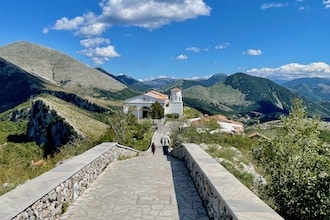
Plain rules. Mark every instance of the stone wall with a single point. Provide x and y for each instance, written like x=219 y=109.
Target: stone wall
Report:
x=223 y=195
x=48 y=195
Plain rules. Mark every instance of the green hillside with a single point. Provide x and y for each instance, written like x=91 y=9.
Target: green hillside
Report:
x=244 y=94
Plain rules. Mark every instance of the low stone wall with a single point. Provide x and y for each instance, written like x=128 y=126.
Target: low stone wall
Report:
x=48 y=195
x=223 y=195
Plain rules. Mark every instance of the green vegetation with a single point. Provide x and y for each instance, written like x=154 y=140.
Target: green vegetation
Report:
x=17 y=153
x=297 y=167
x=118 y=95
x=219 y=98
x=295 y=161
x=189 y=112
x=231 y=150
x=65 y=206
x=157 y=111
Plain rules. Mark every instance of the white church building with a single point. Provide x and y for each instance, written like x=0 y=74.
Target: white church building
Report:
x=140 y=105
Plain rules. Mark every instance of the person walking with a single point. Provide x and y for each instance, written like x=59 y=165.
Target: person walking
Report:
x=165 y=141
x=153 y=148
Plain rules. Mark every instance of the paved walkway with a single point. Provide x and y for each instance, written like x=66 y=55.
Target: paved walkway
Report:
x=146 y=187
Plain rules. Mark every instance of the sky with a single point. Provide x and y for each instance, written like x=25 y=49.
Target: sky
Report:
x=147 y=39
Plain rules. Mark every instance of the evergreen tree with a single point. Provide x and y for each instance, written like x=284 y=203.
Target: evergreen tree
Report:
x=157 y=111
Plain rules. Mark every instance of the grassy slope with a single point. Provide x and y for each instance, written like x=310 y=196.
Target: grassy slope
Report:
x=220 y=97
x=81 y=120
x=16 y=157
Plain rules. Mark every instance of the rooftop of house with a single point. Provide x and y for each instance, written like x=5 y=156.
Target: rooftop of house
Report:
x=156 y=95
x=226 y=123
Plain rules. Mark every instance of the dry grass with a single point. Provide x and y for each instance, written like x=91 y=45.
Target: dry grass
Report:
x=81 y=120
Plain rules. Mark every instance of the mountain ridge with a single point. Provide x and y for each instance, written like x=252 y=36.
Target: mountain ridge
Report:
x=314 y=88
x=57 y=68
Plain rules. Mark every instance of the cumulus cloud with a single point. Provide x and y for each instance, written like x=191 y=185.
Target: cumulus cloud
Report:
x=66 y=24
x=222 y=46
x=149 y=14
x=181 y=57
x=253 y=52
x=92 y=42
x=326 y=3
x=193 y=49
x=98 y=49
x=293 y=71
x=273 y=5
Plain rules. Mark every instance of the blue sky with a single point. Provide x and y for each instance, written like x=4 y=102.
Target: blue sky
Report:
x=179 y=38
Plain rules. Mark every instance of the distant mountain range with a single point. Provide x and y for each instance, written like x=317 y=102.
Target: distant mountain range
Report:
x=316 y=89
x=27 y=70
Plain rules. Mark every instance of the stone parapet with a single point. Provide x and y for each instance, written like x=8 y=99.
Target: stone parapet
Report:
x=223 y=195
x=48 y=195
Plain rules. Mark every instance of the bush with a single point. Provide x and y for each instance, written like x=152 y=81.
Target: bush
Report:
x=297 y=168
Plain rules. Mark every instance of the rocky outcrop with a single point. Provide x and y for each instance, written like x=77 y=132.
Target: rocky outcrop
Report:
x=19 y=115
x=48 y=129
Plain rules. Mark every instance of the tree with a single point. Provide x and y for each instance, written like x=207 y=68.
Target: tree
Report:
x=157 y=111
x=119 y=124
x=297 y=168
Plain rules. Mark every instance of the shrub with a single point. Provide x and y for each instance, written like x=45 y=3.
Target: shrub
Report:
x=297 y=167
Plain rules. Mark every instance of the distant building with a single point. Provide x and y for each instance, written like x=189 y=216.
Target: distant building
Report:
x=175 y=105
x=140 y=105
x=226 y=125
x=258 y=135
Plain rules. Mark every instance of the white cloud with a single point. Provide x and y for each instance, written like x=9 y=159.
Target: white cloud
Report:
x=253 y=52
x=193 y=49
x=326 y=3
x=100 y=55
x=273 y=5
x=293 y=70
x=93 y=42
x=222 y=46
x=68 y=25
x=45 y=30
x=108 y=51
x=150 y=14
x=181 y=57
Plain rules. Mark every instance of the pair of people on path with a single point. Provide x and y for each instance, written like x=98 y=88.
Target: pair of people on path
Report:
x=165 y=141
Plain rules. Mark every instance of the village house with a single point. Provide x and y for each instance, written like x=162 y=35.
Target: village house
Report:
x=226 y=125
x=140 y=105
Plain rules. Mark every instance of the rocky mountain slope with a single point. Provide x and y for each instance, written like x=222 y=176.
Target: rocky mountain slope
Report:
x=16 y=85
x=57 y=68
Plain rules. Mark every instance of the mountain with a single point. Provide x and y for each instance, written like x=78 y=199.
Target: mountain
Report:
x=58 y=69
x=16 y=85
x=244 y=94
x=57 y=112
x=266 y=95
x=159 y=82
x=214 y=79
x=128 y=81
x=316 y=89
x=186 y=83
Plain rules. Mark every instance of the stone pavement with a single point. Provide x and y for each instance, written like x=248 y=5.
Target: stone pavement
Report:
x=145 y=187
